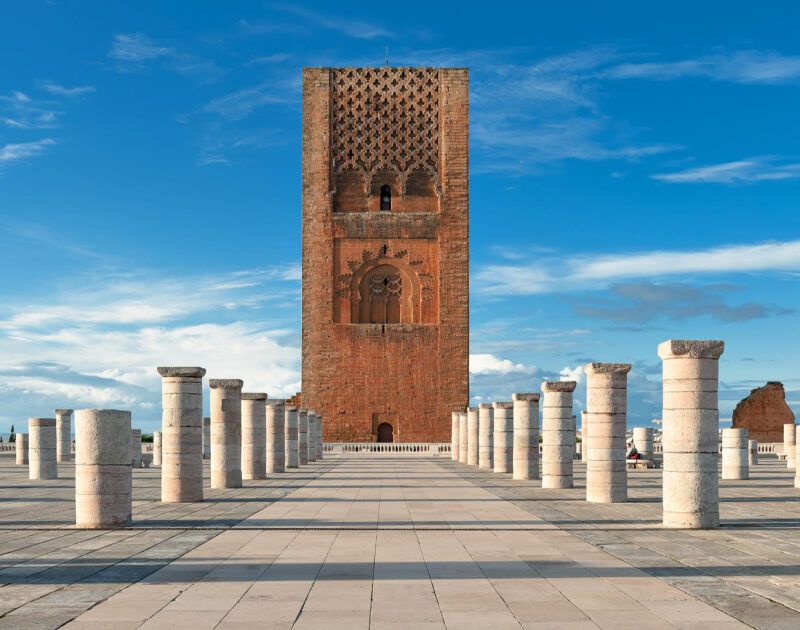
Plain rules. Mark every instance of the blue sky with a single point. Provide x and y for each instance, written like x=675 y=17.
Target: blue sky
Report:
x=634 y=177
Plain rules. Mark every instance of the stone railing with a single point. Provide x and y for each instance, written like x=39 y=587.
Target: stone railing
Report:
x=403 y=448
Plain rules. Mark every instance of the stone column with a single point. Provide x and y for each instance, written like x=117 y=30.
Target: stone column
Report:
x=276 y=436
x=789 y=443
x=462 y=437
x=734 y=454
x=102 y=468
x=607 y=406
x=689 y=433
x=312 y=435
x=752 y=452
x=206 y=438
x=291 y=437
x=181 y=434
x=320 y=443
x=156 y=448
x=226 y=432
x=42 y=449
x=557 y=446
x=503 y=437
x=454 y=435
x=302 y=436
x=472 y=436
x=21 y=448
x=254 y=435
x=574 y=436
x=486 y=436
x=643 y=441
x=526 y=436
x=584 y=437
x=64 y=435
x=136 y=448
x=797 y=468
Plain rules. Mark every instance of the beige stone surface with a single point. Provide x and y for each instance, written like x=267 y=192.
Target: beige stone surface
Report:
x=472 y=436
x=789 y=443
x=735 y=461
x=485 y=436
x=157 y=451
x=526 y=435
x=503 y=437
x=226 y=433
x=254 y=435
x=291 y=444
x=63 y=435
x=136 y=448
x=182 y=434
x=302 y=437
x=462 y=437
x=276 y=436
x=42 y=463
x=454 y=435
x=21 y=449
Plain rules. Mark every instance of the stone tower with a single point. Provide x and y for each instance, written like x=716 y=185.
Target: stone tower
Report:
x=385 y=251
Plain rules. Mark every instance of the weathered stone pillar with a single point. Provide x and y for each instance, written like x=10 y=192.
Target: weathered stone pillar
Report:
x=643 y=441
x=526 y=436
x=292 y=459
x=102 y=468
x=689 y=438
x=472 y=436
x=312 y=435
x=734 y=454
x=226 y=432
x=574 y=436
x=485 y=436
x=302 y=436
x=503 y=437
x=752 y=452
x=64 y=435
x=454 y=435
x=320 y=443
x=136 y=448
x=462 y=437
x=42 y=450
x=797 y=468
x=206 y=438
x=254 y=435
x=607 y=407
x=21 y=448
x=276 y=435
x=789 y=443
x=557 y=438
x=584 y=437
x=156 y=448
x=181 y=434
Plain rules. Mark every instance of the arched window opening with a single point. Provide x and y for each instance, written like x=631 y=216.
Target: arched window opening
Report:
x=384 y=297
x=385 y=433
x=386 y=198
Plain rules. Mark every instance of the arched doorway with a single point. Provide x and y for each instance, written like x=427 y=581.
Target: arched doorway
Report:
x=385 y=432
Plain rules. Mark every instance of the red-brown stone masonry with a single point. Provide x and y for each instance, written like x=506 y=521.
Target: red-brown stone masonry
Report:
x=411 y=375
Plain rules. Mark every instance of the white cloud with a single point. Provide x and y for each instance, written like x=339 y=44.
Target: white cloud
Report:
x=60 y=90
x=23 y=150
x=754 y=169
x=491 y=364
x=555 y=275
x=20 y=111
x=137 y=52
x=137 y=47
x=241 y=103
x=349 y=26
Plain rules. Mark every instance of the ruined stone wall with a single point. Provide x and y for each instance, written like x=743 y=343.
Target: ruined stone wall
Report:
x=763 y=413
x=364 y=129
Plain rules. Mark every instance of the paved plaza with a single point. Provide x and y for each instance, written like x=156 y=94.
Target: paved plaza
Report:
x=389 y=541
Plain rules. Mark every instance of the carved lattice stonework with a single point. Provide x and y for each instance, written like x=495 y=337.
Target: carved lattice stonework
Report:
x=385 y=118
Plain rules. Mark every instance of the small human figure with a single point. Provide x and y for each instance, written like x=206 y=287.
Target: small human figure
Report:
x=632 y=452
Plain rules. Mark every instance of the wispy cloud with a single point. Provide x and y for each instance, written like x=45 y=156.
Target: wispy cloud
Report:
x=491 y=364
x=20 y=111
x=137 y=52
x=348 y=26
x=269 y=59
x=136 y=48
x=21 y=151
x=240 y=104
x=60 y=90
x=562 y=274
x=755 y=169
x=743 y=66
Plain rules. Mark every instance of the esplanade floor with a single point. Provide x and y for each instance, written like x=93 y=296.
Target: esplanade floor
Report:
x=370 y=541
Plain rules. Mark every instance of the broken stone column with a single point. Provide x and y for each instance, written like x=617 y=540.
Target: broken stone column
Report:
x=102 y=468
x=734 y=454
x=226 y=432
x=276 y=435
x=485 y=436
x=156 y=448
x=290 y=427
x=472 y=436
x=557 y=437
x=206 y=438
x=136 y=448
x=575 y=450
x=643 y=441
x=42 y=462
x=312 y=435
x=526 y=436
x=689 y=433
x=454 y=435
x=254 y=435
x=462 y=437
x=302 y=436
x=64 y=435
x=584 y=437
x=21 y=448
x=752 y=452
x=789 y=443
x=181 y=434
x=607 y=407
x=797 y=468
x=503 y=437
x=320 y=442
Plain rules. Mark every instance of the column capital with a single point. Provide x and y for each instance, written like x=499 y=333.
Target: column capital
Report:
x=276 y=402
x=189 y=372
x=503 y=405
x=485 y=406
x=607 y=368
x=63 y=412
x=559 y=386
x=254 y=396
x=531 y=397
x=225 y=383
x=691 y=349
